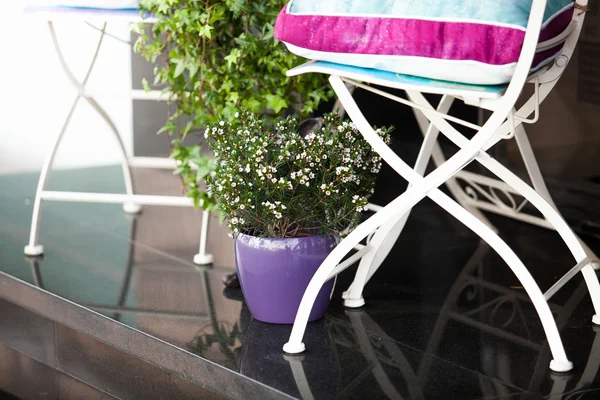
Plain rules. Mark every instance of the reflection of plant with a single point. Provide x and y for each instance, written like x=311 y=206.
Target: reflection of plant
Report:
x=273 y=182
x=216 y=56
x=224 y=339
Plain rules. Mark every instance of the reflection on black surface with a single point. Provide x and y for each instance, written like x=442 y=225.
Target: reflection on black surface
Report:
x=446 y=323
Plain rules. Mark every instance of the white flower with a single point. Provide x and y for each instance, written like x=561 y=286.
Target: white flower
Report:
x=233 y=184
x=242 y=207
x=234 y=221
x=221 y=123
x=328 y=193
x=274 y=180
x=237 y=114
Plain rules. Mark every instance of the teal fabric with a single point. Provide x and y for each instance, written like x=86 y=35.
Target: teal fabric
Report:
x=504 y=12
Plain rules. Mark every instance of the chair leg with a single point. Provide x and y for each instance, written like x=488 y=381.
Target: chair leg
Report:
x=538 y=182
x=438 y=158
x=34 y=248
x=557 y=221
x=424 y=186
x=538 y=201
x=204 y=258
x=386 y=236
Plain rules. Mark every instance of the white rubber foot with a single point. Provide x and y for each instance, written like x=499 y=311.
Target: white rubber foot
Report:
x=291 y=348
x=596 y=319
x=36 y=250
x=561 y=366
x=354 y=303
x=132 y=208
x=203 y=259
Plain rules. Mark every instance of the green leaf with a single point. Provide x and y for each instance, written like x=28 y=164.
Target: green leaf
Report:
x=275 y=102
x=146 y=86
x=179 y=68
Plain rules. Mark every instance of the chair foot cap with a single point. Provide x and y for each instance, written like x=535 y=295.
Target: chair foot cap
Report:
x=34 y=250
x=203 y=259
x=294 y=348
x=596 y=319
x=354 y=303
x=561 y=366
x=132 y=208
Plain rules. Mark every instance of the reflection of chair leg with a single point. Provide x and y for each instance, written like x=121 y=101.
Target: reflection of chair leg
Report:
x=300 y=377
x=460 y=284
x=124 y=290
x=34 y=262
x=362 y=322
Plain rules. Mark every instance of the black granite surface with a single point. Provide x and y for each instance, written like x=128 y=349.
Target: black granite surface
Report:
x=110 y=311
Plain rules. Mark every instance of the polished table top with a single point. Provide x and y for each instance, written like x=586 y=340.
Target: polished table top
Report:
x=446 y=322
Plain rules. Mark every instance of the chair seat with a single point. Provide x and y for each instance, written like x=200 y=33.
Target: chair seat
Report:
x=404 y=82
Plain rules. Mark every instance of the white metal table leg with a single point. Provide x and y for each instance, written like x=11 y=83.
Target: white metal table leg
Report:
x=131 y=208
x=34 y=248
x=203 y=258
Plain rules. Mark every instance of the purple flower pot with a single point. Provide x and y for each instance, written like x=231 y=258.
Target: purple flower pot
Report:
x=274 y=274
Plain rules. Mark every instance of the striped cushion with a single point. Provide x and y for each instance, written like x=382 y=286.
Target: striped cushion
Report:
x=475 y=42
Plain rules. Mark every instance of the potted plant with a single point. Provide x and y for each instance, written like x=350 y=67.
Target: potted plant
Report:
x=287 y=199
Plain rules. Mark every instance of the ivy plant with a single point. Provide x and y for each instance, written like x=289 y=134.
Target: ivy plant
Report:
x=213 y=57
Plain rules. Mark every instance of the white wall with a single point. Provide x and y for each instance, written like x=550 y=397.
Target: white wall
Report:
x=36 y=95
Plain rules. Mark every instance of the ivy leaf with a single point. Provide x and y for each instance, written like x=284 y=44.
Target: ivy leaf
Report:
x=179 y=68
x=146 y=86
x=275 y=102
x=232 y=58
x=233 y=97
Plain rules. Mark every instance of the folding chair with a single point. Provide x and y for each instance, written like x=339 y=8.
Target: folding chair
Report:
x=505 y=122
x=132 y=202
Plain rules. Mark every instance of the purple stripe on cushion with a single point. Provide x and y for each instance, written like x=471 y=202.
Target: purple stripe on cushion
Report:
x=553 y=29
x=433 y=39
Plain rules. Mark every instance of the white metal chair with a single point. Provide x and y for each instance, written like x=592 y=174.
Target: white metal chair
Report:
x=132 y=203
x=505 y=122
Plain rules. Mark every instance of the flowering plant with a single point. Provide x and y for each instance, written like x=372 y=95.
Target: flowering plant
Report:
x=270 y=181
